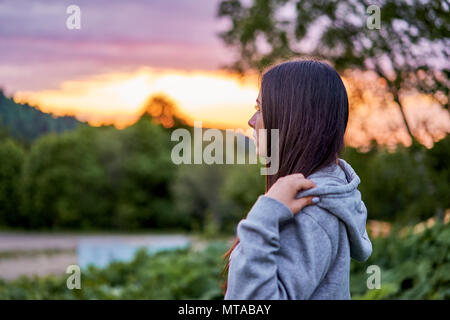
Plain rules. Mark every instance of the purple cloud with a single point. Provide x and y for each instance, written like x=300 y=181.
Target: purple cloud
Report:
x=114 y=35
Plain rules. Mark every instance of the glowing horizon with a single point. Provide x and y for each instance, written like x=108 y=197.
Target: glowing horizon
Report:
x=213 y=97
x=105 y=72
x=216 y=98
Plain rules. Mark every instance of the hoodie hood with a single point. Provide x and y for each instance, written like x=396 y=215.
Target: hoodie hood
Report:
x=337 y=188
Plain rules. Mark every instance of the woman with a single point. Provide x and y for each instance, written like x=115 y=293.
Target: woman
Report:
x=298 y=238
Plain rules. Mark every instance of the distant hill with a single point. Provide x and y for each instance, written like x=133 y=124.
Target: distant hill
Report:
x=27 y=123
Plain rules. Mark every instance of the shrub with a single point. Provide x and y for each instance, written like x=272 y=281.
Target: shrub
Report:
x=412 y=267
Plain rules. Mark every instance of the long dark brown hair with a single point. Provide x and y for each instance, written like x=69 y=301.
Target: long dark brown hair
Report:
x=307 y=101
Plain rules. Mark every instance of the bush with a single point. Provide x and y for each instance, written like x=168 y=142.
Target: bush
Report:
x=104 y=178
x=64 y=184
x=412 y=267
x=12 y=157
x=179 y=274
x=215 y=196
x=94 y=178
x=407 y=185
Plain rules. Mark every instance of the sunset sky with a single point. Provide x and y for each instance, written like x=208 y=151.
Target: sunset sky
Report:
x=124 y=52
x=127 y=51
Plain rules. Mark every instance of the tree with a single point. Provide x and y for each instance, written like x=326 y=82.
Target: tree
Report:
x=145 y=170
x=11 y=160
x=26 y=123
x=64 y=184
x=410 y=50
x=163 y=111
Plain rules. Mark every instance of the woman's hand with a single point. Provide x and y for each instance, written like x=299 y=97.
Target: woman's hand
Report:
x=286 y=188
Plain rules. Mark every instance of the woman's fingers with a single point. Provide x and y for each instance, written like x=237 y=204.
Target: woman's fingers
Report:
x=299 y=204
x=297 y=175
x=302 y=184
x=297 y=180
x=286 y=188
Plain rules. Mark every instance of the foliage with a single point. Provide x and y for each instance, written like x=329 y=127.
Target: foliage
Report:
x=402 y=52
x=62 y=181
x=438 y=165
x=266 y=31
x=26 y=123
x=407 y=185
x=104 y=178
x=196 y=191
x=12 y=158
x=179 y=274
x=217 y=194
x=412 y=267
x=242 y=186
x=99 y=178
x=164 y=111
x=146 y=170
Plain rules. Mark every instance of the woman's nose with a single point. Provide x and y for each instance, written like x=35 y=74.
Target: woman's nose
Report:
x=252 y=121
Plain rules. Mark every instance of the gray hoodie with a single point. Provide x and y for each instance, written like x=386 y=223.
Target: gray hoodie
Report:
x=307 y=255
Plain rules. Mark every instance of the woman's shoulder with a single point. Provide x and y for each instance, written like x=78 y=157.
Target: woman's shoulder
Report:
x=315 y=215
